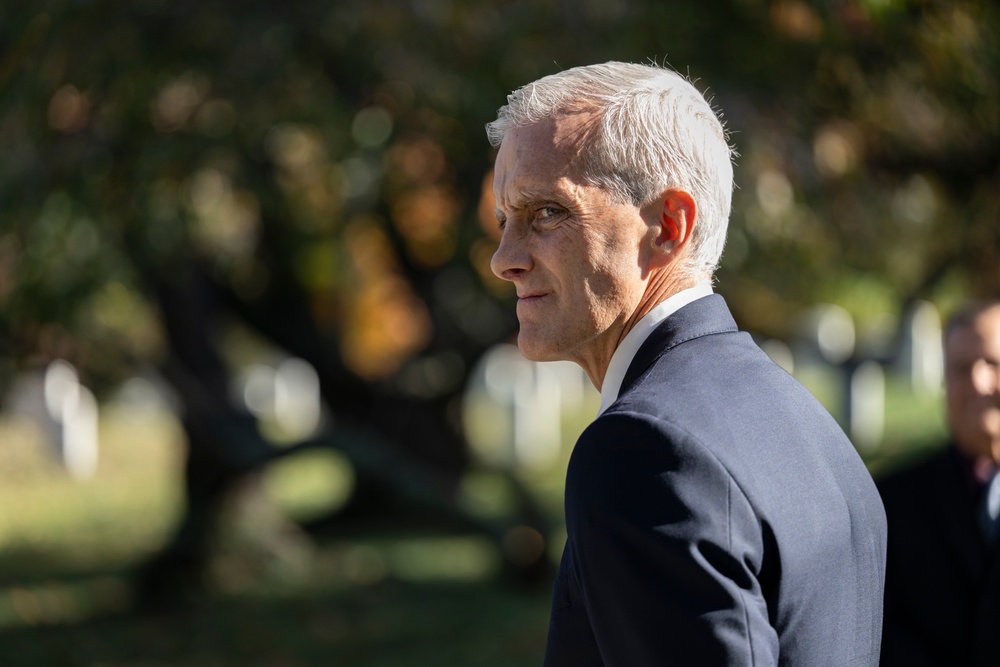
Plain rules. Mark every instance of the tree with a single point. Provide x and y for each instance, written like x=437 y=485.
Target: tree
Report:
x=317 y=173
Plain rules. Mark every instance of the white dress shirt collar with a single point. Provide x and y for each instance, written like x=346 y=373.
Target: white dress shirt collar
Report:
x=634 y=339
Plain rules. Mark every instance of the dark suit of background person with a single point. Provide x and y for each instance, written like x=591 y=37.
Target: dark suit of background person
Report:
x=716 y=514
x=942 y=598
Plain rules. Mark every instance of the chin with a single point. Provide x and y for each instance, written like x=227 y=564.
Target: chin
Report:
x=975 y=441
x=534 y=351
x=532 y=354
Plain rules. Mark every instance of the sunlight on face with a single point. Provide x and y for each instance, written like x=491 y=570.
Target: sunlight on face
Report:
x=571 y=250
x=973 y=382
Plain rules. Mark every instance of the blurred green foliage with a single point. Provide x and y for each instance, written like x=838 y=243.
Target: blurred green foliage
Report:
x=340 y=146
x=331 y=155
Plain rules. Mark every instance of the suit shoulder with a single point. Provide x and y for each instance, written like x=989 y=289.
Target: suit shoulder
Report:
x=625 y=448
x=637 y=435
x=619 y=436
x=636 y=470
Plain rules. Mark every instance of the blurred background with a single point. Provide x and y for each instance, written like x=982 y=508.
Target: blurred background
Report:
x=258 y=400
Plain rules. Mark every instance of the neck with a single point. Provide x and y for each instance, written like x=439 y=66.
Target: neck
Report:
x=662 y=285
x=658 y=289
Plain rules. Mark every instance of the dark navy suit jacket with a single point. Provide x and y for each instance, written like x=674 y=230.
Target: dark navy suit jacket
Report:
x=942 y=590
x=716 y=515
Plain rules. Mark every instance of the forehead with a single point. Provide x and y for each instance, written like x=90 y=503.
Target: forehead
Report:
x=980 y=337
x=541 y=153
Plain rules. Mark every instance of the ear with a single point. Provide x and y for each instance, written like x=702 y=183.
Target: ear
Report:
x=674 y=213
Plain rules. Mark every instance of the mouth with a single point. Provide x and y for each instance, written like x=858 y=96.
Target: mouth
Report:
x=528 y=304
x=531 y=297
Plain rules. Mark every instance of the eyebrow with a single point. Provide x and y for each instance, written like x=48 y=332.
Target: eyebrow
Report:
x=522 y=198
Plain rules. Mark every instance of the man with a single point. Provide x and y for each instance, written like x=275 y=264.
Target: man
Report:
x=716 y=514
x=942 y=597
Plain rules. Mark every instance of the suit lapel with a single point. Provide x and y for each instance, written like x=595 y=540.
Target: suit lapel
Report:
x=708 y=315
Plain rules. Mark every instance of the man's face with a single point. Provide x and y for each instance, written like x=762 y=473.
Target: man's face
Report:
x=571 y=250
x=973 y=383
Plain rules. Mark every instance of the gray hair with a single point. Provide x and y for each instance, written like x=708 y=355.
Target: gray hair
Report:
x=655 y=131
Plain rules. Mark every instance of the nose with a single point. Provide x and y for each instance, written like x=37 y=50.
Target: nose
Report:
x=512 y=258
x=986 y=377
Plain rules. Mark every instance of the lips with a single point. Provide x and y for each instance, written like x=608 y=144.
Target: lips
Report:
x=529 y=293
x=527 y=303
x=530 y=297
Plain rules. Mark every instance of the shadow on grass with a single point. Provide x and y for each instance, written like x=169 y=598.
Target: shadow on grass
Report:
x=390 y=623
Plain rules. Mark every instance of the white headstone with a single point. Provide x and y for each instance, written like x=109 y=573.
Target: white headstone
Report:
x=514 y=407
x=922 y=354
x=867 y=405
x=297 y=404
x=287 y=394
x=830 y=329
x=70 y=419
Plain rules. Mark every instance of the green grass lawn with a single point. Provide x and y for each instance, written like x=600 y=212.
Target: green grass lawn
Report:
x=67 y=550
x=388 y=624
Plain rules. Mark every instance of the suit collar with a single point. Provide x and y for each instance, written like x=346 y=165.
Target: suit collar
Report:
x=708 y=315
x=627 y=349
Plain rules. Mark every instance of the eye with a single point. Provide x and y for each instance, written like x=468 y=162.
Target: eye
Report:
x=547 y=212
x=501 y=221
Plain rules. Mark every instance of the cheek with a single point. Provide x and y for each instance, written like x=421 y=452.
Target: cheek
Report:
x=610 y=289
x=969 y=409
x=609 y=272
x=960 y=401
x=992 y=420
x=984 y=378
x=617 y=261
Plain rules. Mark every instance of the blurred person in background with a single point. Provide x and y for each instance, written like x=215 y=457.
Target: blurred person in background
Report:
x=715 y=512
x=942 y=598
